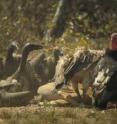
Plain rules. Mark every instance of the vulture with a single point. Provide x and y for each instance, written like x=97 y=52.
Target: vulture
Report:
x=105 y=83
x=79 y=69
x=21 y=86
x=11 y=62
x=44 y=66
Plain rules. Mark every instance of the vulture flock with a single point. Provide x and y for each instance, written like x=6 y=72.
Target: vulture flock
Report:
x=21 y=78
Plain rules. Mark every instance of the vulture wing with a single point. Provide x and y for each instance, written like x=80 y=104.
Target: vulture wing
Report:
x=77 y=63
x=105 y=68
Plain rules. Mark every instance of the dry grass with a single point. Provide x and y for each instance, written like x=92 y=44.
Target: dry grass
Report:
x=48 y=114
x=56 y=115
x=34 y=114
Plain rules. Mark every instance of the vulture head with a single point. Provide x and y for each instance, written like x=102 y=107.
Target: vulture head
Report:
x=114 y=41
x=57 y=53
x=11 y=48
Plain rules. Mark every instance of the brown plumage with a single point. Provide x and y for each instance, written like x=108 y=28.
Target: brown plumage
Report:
x=79 y=70
x=44 y=65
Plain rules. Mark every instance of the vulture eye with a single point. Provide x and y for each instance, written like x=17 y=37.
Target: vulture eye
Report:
x=114 y=38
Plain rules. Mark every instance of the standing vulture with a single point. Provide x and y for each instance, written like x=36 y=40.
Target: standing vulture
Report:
x=11 y=62
x=105 y=83
x=79 y=70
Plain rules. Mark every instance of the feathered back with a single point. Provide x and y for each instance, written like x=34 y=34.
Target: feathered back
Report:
x=80 y=60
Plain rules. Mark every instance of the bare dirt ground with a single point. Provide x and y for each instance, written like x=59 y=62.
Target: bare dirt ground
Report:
x=52 y=113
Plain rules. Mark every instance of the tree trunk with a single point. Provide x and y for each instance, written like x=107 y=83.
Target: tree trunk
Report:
x=59 y=20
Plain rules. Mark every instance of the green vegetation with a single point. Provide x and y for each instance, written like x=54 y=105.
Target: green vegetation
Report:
x=28 y=21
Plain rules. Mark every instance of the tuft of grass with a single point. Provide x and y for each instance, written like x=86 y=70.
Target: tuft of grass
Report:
x=58 y=115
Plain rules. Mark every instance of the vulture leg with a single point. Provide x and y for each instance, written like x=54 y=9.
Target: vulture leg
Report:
x=76 y=88
x=85 y=87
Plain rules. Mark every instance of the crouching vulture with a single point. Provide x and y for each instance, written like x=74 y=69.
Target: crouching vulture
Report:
x=21 y=86
x=105 y=83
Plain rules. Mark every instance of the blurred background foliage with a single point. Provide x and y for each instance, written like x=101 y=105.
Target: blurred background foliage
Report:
x=28 y=20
